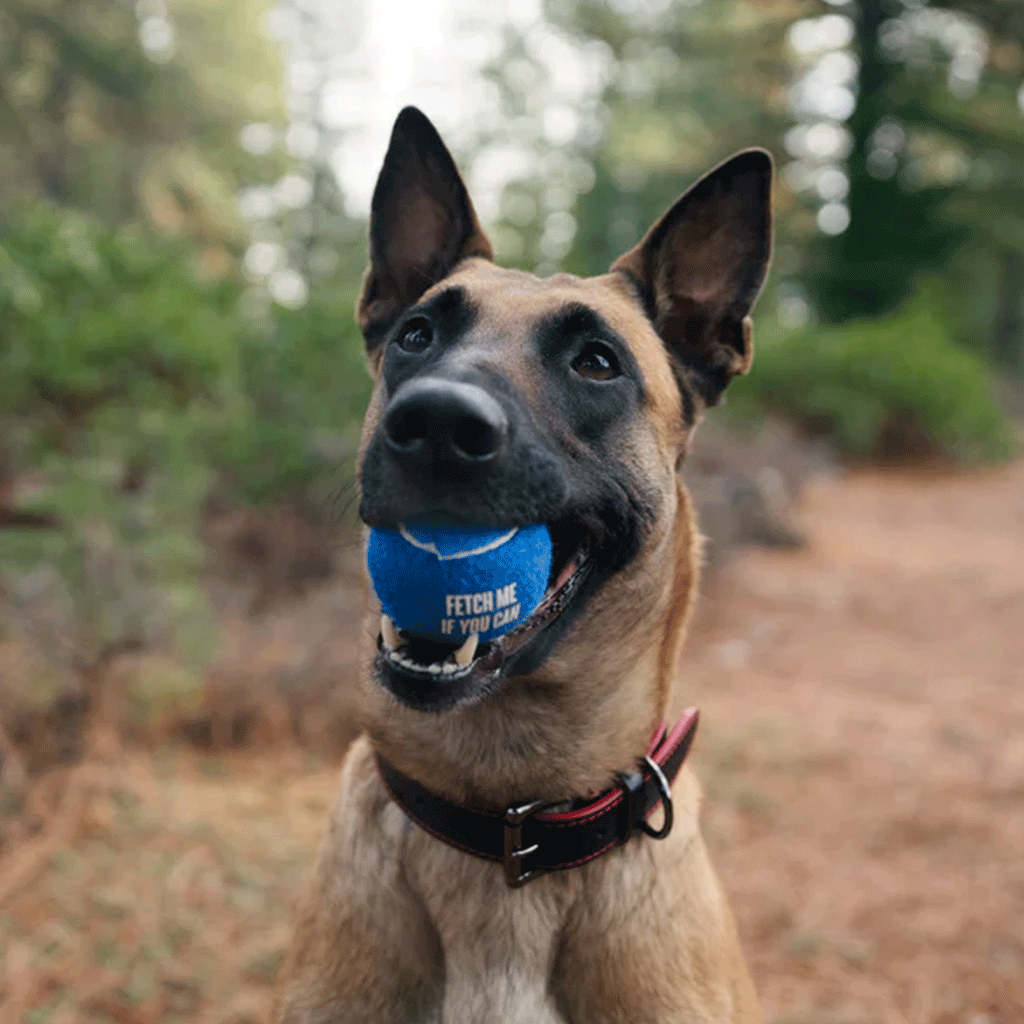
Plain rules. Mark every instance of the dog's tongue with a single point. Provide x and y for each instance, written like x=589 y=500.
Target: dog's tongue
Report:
x=563 y=577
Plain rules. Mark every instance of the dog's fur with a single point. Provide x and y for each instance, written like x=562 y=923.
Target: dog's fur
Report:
x=400 y=927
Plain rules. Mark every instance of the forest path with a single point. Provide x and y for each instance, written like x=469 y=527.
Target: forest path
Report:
x=863 y=751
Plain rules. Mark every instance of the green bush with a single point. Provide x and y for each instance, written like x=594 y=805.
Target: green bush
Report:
x=117 y=363
x=90 y=315
x=130 y=382
x=94 y=317
x=305 y=387
x=866 y=384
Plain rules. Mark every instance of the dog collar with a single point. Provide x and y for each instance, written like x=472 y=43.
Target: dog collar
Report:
x=531 y=839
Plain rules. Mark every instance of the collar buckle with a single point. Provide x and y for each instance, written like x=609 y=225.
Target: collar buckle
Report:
x=515 y=816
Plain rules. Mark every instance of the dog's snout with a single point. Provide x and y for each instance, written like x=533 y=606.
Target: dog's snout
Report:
x=443 y=421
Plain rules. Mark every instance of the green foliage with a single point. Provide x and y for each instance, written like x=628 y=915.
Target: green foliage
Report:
x=124 y=559
x=859 y=382
x=934 y=169
x=928 y=162
x=305 y=387
x=137 y=371
x=99 y=112
x=114 y=360
x=91 y=315
x=685 y=89
x=95 y=318
x=313 y=357
x=895 y=231
x=130 y=383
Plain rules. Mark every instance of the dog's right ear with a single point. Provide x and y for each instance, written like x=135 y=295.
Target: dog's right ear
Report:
x=422 y=223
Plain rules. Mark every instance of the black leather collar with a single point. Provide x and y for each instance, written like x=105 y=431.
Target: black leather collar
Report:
x=529 y=838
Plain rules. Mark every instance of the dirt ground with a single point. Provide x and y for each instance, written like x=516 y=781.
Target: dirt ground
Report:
x=862 y=748
x=865 y=764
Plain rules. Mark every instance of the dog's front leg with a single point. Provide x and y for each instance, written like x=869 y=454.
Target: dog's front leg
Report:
x=364 y=950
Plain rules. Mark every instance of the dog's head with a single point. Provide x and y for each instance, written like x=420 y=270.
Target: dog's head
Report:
x=503 y=399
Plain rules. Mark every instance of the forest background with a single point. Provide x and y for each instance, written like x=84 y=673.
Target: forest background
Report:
x=183 y=192
x=179 y=262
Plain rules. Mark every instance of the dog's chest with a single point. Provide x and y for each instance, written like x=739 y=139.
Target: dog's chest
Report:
x=499 y=944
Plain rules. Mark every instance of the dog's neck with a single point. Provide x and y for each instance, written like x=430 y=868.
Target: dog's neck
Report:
x=540 y=741
x=566 y=730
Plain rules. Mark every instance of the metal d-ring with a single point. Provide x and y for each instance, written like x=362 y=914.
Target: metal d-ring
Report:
x=666 y=802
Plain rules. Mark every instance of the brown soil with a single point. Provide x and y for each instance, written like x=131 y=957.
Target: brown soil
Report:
x=862 y=749
x=864 y=752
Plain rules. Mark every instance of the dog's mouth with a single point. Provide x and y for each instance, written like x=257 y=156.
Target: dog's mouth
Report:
x=434 y=676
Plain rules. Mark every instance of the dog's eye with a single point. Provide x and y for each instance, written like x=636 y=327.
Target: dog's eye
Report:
x=596 y=362
x=416 y=336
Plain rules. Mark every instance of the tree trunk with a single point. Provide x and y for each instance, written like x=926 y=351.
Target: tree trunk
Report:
x=1008 y=329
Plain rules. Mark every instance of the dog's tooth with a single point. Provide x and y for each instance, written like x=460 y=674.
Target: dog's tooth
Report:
x=389 y=632
x=464 y=655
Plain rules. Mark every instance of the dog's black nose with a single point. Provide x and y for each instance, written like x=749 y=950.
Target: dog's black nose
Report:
x=436 y=421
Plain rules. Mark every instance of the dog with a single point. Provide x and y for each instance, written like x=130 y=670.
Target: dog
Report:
x=500 y=400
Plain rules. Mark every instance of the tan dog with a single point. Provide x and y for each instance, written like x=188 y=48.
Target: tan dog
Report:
x=501 y=400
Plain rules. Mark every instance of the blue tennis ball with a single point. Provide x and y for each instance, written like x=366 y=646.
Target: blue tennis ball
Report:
x=443 y=583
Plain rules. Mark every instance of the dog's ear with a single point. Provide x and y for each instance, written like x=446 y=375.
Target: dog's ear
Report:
x=700 y=268
x=422 y=223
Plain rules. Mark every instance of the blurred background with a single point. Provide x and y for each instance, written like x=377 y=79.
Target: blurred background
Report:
x=183 y=195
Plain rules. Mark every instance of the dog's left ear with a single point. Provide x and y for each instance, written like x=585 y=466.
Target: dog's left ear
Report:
x=422 y=223
x=701 y=267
